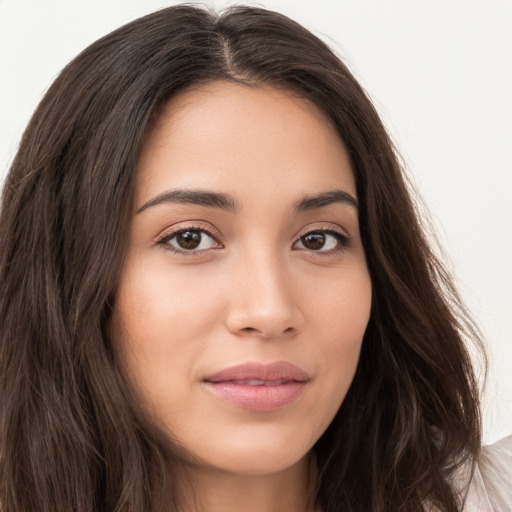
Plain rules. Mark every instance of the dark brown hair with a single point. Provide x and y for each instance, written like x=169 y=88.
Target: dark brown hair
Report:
x=70 y=436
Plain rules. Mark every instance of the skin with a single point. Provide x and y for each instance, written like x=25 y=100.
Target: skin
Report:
x=257 y=290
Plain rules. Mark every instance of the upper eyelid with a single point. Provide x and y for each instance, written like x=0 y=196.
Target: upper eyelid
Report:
x=192 y=226
x=325 y=227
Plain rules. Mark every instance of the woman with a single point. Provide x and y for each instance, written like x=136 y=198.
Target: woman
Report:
x=216 y=293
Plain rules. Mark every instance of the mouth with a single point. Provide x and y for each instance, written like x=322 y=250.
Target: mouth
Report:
x=257 y=382
x=258 y=387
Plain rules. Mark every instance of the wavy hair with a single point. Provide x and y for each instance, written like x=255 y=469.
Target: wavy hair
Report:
x=71 y=438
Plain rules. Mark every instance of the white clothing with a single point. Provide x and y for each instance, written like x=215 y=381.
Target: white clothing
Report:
x=490 y=489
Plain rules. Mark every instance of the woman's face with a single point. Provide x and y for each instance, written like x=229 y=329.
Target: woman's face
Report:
x=245 y=294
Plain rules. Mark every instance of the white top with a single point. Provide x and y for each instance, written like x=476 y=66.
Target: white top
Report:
x=490 y=489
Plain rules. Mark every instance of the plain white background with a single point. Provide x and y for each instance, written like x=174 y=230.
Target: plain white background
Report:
x=440 y=73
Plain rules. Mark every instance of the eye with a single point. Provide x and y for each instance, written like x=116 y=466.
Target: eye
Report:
x=322 y=241
x=189 y=240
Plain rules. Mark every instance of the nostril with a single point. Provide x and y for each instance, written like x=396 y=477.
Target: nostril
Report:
x=267 y=333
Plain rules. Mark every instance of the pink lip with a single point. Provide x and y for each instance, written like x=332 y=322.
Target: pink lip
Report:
x=258 y=387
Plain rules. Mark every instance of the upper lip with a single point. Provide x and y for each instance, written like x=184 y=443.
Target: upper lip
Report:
x=260 y=371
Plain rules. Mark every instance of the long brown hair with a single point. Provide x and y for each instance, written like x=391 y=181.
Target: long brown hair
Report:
x=71 y=438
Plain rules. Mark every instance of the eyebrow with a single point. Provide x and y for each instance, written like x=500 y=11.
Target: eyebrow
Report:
x=325 y=199
x=227 y=202
x=199 y=197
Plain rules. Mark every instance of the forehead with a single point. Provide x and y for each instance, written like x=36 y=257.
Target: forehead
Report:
x=227 y=135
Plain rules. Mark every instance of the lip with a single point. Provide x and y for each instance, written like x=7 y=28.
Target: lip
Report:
x=258 y=387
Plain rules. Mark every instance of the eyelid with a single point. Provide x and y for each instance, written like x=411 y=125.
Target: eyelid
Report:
x=172 y=231
x=334 y=229
x=322 y=226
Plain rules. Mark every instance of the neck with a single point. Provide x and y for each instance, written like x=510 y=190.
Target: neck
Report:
x=210 y=490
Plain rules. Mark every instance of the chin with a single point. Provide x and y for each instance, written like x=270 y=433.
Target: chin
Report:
x=250 y=457
x=261 y=463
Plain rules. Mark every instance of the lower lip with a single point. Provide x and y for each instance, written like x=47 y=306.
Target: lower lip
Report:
x=257 y=398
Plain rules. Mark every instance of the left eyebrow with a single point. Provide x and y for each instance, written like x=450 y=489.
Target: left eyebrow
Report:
x=325 y=199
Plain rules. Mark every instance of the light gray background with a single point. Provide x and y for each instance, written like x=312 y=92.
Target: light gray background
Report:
x=440 y=72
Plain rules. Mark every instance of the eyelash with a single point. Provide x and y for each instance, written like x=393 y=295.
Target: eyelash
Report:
x=342 y=239
x=168 y=236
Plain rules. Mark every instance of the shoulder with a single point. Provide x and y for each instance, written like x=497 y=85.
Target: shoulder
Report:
x=495 y=467
x=487 y=487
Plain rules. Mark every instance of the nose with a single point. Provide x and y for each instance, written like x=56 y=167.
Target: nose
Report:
x=264 y=300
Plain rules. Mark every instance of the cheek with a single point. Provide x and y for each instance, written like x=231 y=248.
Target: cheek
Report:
x=342 y=313
x=160 y=320
x=160 y=304
x=340 y=307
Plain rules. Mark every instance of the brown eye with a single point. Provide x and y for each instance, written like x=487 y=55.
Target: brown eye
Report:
x=322 y=241
x=313 y=241
x=190 y=240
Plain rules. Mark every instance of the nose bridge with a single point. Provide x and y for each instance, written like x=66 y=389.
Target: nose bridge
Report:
x=264 y=302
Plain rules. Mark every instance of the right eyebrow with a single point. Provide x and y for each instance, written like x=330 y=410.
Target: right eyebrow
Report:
x=199 y=197
x=325 y=199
